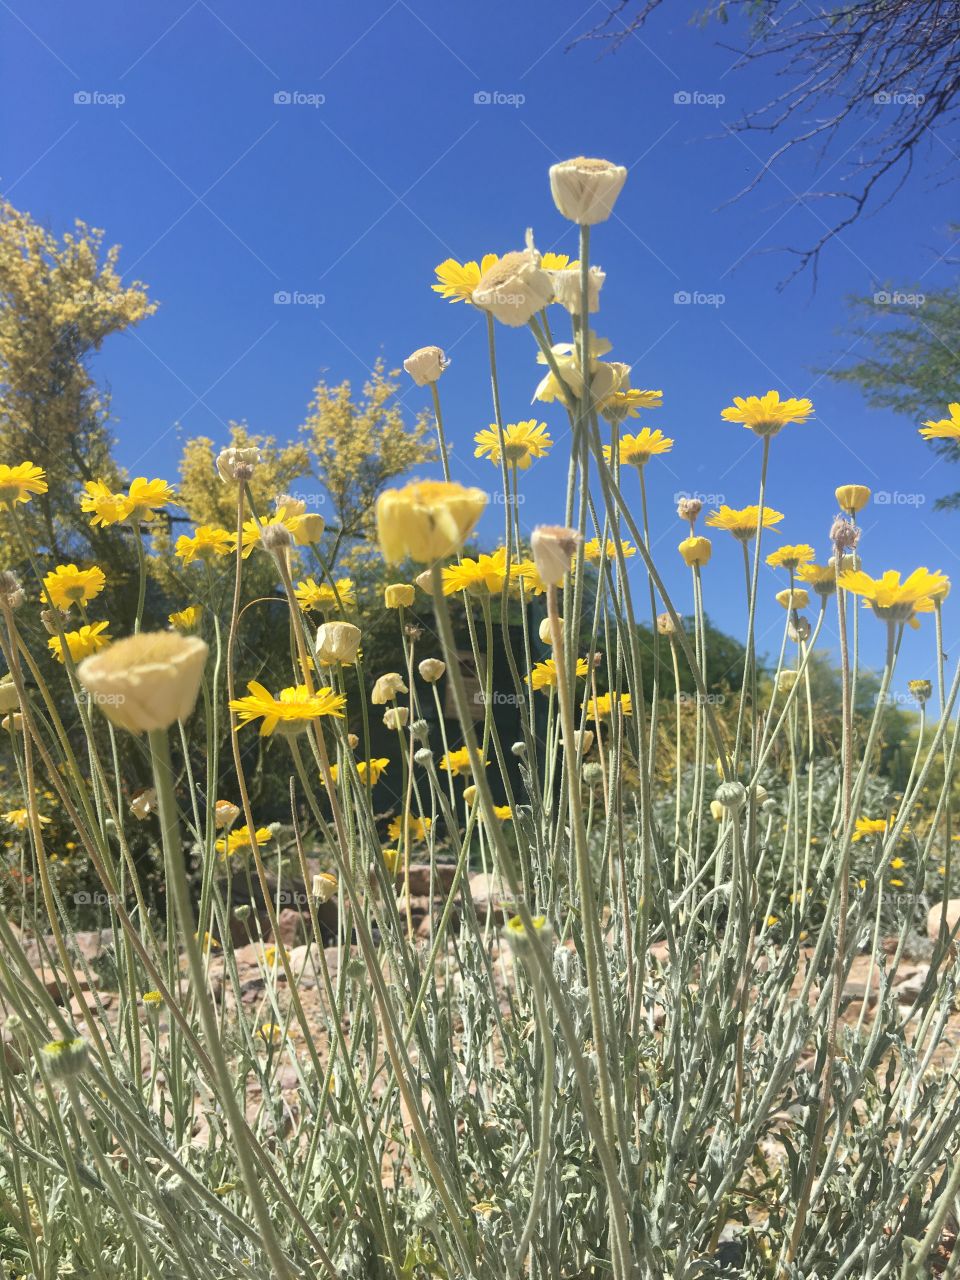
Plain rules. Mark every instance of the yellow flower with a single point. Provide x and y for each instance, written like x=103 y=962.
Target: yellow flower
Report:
x=392 y=861
x=104 y=506
x=566 y=357
x=146 y=495
x=600 y=708
x=399 y=595
x=271 y=1034
x=896 y=864
x=522 y=442
x=206 y=543
x=253 y=530
x=772 y=920
x=790 y=557
x=943 y=428
x=146 y=682
x=377 y=766
x=636 y=451
x=68 y=585
x=457 y=280
x=485 y=574
x=517 y=933
x=696 y=550
x=896 y=884
x=458 y=762
x=626 y=402
x=797 y=598
x=20 y=483
x=89 y=639
x=320 y=596
x=503 y=812
x=187 y=619
x=822 y=577
x=527 y=572
x=295 y=708
x=765 y=415
x=427 y=520
x=893 y=600
x=742 y=523
x=865 y=827
x=20 y=818
x=852 y=498
x=544 y=674
x=592 y=552
x=417 y=827
x=237 y=840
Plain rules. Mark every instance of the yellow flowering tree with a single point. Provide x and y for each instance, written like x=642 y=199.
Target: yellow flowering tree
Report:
x=60 y=299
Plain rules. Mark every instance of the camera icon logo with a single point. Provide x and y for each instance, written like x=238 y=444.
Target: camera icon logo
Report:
x=482 y=98
x=282 y=298
x=283 y=98
x=683 y=98
x=83 y=98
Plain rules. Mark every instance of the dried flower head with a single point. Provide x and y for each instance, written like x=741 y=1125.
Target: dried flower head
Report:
x=147 y=681
x=553 y=547
x=515 y=288
x=585 y=189
x=425 y=365
x=432 y=669
x=237 y=464
x=386 y=688
x=688 y=509
x=338 y=642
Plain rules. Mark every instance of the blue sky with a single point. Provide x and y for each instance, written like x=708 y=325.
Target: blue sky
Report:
x=385 y=163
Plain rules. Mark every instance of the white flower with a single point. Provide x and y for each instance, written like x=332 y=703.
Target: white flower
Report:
x=553 y=547
x=566 y=288
x=237 y=464
x=144 y=803
x=396 y=717
x=386 y=688
x=147 y=681
x=585 y=190
x=431 y=669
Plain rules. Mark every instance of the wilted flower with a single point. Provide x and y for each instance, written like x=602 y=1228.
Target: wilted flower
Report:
x=337 y=642
x=786 y=680
x=11 y=590
x=147 y=681
x=143 y=803
x=566 y=288
x=324 y=886
x=515 y=288
x=425 y=365
x=237 y=464
x=553 y=547
x=396 y=717
x=688 y=509
x=431 y=669
x=844 y=534
x=386 y=688
x=585 y=189
x=225 y=814
x=427 y=520
x=666 y=625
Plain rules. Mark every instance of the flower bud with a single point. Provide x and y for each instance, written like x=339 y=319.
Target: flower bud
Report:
x=425 y=365
x=9 y=698
x=308 y=528
x=696 y=550
x=553 y=548
x=242 y=913
x=470 y=793
x=423 y=756
x=786 y=680
x=398 y=595
x=518 y=749
x=795 y=598
x=732 y=795
x=65 y=1059
x=420 y=730
x=585 y=190
x=592 y=773
x=337 y=642
x=688 y=509
x=920 y=689
x=386 y=688
x=353 y=741
x=716 y=810
x=545 y=631
x=152 y=1002
x=431 y=669
x=666 y=625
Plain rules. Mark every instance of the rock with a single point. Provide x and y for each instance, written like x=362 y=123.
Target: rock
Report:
x=290 y=924
x=935 y=913
x=443 y=873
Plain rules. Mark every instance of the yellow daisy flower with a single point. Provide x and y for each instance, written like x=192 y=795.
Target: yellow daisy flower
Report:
x=206 y=543
x=766 y=415
x=522 y=442
x=822 y=577
x=636 y=451
x=485 y=574
x=865 y=827
x=627 y=402
x=236 y=841
x=320 y=597
x=592 y=552
x=377 y=767
x=943 y=428
x=544 y=674
x=253 y=529
x=20 y=818
x=526 y=571
x=790 y=557
x=68 y=585
x=458 y=762
x=893 y=600
x=295 y=708
x=81 y=643
x=19 y=483
x=601 y=707
x=418 y=828
x=187 y=619
x=145 y=496
x=742 y=522
x=503 y=812
x=104 y=506
x=457 y=280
